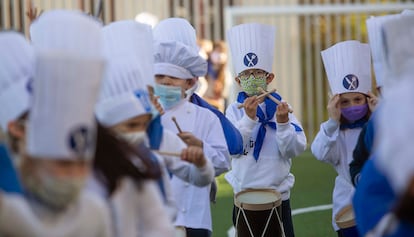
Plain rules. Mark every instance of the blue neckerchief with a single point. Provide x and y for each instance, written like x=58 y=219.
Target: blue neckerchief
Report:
x=233 y=137
x=357 y=124
x=154 y=132
x=160 y=182
x=9 y=179
x=264 y=120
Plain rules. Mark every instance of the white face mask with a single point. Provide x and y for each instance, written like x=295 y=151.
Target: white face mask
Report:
x=55 y=192
x=135 y=138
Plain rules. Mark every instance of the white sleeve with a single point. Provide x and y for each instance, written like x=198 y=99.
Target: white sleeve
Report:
x=140 y=211
x=215 y=145
x=190 y=173
x=291 y=143
x=242 y=122
x=100 y=210
x=152 y=213
x=324 y=147
x=16 y=217
x=182 y=169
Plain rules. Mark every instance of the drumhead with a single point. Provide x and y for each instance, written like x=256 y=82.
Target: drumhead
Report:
x=258 y=199
x=345 y=217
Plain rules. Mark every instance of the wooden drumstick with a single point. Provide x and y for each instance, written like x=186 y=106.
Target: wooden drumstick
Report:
x=258 y=97
x=176 y=124
x=273 y=98
x=167 y=153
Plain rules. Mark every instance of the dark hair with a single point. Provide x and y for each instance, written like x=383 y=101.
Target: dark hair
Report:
x=116 y=159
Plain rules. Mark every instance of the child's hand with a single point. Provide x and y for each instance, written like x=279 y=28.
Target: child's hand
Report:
x=372 y=101
x=333 y=108
x=250 y=106
x=194 y=155
x=31 y=13
x=157 y=105
x=154 y=100
x=190 y=139
x=282 y=113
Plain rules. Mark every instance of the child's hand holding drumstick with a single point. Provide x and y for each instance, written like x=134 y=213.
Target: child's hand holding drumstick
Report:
x=278 y=102
x=259 y=97
x=187 y=137
x=191 y=154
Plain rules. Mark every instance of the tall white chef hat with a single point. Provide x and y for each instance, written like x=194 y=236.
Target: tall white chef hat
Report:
x=67 y=80
x=252 y=46
x=129 y=50
x=176 y=29
x=398 y=36
x=394 y=142
x=374 y=28
x=176 y=50
x=348 y=67
x=16 y=72
x=43 y=32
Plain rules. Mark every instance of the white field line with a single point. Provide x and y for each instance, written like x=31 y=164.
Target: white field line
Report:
x=311 y=209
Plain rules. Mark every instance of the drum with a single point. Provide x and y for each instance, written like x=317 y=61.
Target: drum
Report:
x=258 y=213
x=345 y=220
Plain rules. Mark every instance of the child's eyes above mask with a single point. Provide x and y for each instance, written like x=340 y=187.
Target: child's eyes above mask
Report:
x=256 y=74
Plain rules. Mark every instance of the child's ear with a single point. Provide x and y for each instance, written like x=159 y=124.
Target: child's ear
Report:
x=190 y=82
x=270 y=78
x=15 y=129
x=237 y=80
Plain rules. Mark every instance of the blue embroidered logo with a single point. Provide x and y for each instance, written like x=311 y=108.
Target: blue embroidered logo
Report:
x=350 y=82
x=250 y=60
x=80 y=140
x=143 y=97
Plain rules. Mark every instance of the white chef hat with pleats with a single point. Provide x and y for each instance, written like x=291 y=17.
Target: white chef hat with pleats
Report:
x=374 y=28
x=398 y=39
x=252 y=46
x=394 y=144
x=43 y=32
x=129 y=51
x=65 y=88
x=348 y=67
x=176 y=51
x=176 y=29
x=16 y=71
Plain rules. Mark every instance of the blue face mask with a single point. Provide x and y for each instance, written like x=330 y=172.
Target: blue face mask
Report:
x=169 y=95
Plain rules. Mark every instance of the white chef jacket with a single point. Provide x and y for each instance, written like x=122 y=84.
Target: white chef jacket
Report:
x=194 y=202
x=88 y=216
x=187 y=172
x=272 y=169
x=335 y=146
x=140 y=212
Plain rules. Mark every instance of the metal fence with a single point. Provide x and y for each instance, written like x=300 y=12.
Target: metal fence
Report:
x=304 y=28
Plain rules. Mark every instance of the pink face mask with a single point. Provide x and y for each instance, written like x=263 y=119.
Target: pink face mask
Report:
x=354 y=113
